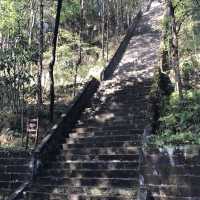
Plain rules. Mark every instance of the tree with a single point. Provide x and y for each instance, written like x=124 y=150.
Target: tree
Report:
x=41 y=49
x=103 y=28
x=174 y=47
x=177 y=13
x=53 y=59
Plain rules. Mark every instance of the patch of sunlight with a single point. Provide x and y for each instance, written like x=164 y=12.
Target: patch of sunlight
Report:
x=95 y=191
x=116 y=161
x=74 y=197
x=125 y=192
x=110 y=90
x=162 y=193
x=104 y=117
x=55 y=127
x=95 y=72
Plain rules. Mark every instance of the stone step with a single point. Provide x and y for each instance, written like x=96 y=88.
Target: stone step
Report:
x=122 y=86
x=105 y=157
x=104 y=174
x=57 y=196
x=103 y=139
x=120 y=105
x=82 y=132
x=39 y=195
x=99 y=197
x=189 y=191
x=105 y=144
x=163 y=197
x=178 y=170
x=123 y=173
x=109 y=110
x=86 y=129
x=14 y=154
x=14 y=168
x=124 y=103
x=134 y=91
x=182 y=180
x=111 y=120
x=102 y=150
x=110 y=123
x=137 y=110
x=53 y=182
x=14 y=176
x=13 y=161
x=95 y=165
x=104 y=191
x=11 y=185
x=176 y=160
x=123 y=98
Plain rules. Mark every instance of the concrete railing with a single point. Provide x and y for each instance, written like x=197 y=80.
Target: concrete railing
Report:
x=111 y=67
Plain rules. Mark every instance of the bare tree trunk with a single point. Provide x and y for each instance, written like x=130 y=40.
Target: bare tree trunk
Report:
x=81 y=30
x=51 y=64
x=103 y=29
x=32 y=20
x=174 y=46
x=80 y=45
x=118 y=28
x=41 y=50
x=122 y=16
x=107 y=34
x=176 y=63
x=75 y=79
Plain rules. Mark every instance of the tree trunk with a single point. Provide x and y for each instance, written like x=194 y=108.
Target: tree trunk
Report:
x=75 y=79
x=32 y=21
x=81 y=30
x=41 y=44
x=103 y=29
x=107 y=34
x=80 y=45
x=51 y=64
x=174 y=46
x=176 y=63
x=117 y=18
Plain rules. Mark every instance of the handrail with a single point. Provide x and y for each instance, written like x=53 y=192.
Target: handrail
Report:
x=109 y=70
x=68 y=120
x=57 y=133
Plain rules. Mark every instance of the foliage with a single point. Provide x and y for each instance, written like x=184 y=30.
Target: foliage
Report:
x=70 y=10
x=12 y=15
x=24 y=57
x=179 y=121
x=67 y=58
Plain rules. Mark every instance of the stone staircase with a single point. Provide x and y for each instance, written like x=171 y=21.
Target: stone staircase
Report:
x=100 y=159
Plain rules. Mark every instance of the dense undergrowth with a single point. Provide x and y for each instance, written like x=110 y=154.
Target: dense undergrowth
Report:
x=179 y=120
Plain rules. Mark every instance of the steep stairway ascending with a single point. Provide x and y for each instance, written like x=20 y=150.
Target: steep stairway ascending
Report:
x=100 y=159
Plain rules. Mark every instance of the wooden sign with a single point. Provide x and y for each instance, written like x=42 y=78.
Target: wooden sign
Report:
x=32 y=131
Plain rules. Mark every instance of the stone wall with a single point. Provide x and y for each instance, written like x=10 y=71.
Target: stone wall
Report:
x=14 y=170
x=172 y=173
